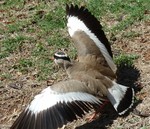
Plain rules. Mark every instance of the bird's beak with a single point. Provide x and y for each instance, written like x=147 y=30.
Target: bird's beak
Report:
x=55 y=62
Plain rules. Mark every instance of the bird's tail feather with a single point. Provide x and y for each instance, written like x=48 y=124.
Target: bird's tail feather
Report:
x=121 y=97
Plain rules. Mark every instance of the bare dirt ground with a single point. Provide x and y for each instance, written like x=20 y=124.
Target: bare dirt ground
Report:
x=20 y=90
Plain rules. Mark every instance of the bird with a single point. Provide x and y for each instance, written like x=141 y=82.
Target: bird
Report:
x=67 y=100
x=90 y=40
x=90 y=80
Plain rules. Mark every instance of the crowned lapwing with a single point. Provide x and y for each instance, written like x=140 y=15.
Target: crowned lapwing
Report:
x=65 y=101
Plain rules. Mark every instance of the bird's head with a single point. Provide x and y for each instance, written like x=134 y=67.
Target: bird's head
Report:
x=62 y=59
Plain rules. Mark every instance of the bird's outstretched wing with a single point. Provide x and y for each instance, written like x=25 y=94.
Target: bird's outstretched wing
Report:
x=87 y=33
x=56 y=105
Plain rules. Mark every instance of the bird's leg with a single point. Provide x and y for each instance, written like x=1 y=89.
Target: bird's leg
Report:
x=97 y=111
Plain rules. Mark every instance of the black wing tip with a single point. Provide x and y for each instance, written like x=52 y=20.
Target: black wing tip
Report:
x=67 y=8
x=127 y=102
x=20 y=120
x=53 y=117
x=78 y=10
x=81 y=12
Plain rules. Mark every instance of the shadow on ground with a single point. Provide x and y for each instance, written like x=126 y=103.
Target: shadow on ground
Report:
x=128 y=76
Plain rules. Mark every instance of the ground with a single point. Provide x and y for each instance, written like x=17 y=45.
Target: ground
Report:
x=29 y=36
